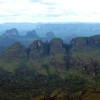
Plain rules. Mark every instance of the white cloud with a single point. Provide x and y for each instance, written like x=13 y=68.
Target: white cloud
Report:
x=49 y=11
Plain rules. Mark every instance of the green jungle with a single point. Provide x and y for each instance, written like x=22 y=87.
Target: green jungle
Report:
x=51 y=70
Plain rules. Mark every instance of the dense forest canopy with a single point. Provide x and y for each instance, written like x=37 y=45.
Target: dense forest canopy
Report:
x=51 y=70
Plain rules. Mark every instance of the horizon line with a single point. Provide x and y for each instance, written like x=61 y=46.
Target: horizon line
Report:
x=48 y=22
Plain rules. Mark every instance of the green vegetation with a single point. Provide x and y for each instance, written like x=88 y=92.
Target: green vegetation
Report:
x=50 y=71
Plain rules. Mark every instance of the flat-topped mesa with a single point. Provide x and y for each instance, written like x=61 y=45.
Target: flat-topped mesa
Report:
x=32 y=34
x=56 y=43
x=82 y=42
x=94 y=40
x=57 y=53
x=11 y=33
x=57 y=46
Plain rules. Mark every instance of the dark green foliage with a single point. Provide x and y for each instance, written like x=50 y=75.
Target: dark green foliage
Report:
x=16 y=51
x=45 y=67
x=27 y=82
x=75 y=83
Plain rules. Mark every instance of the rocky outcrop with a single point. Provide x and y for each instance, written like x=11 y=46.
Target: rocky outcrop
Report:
x=85 y=54
x=57 y=46
x=11 y=33
x=82 y=42
x=36 y=44
x=36 y=49
x=87 y=65
x=57 y=53
x=32 y=34
x=56 y=43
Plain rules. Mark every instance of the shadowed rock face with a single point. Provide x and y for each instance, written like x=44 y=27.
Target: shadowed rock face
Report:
x=36 y=49
x=36 y=44
x=81 y=42
x=11 y=33
x=56 y=43
x=56 y=54
x=57 y=46
x=85 y=53
x=54 y=49
x=32 y=34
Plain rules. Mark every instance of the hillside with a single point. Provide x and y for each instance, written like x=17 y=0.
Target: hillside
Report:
x=52 y=70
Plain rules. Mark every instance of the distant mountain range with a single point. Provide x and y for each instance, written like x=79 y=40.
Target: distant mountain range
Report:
x=12 y=35
x=22 y=27
x=66 y=31
x=60 y=29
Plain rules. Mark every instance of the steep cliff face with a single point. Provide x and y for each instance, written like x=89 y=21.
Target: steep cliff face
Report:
x=86 y=54
x=57 y=46
x=36 y=49
x=57 y=53
x=94 y=40
x=82 y=42
x=32 y=34
x=49 y=54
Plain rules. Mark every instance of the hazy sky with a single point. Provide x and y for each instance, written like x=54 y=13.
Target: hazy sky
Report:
x=49 y=11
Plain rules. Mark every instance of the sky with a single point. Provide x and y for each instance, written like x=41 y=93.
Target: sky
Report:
x=49 y=11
